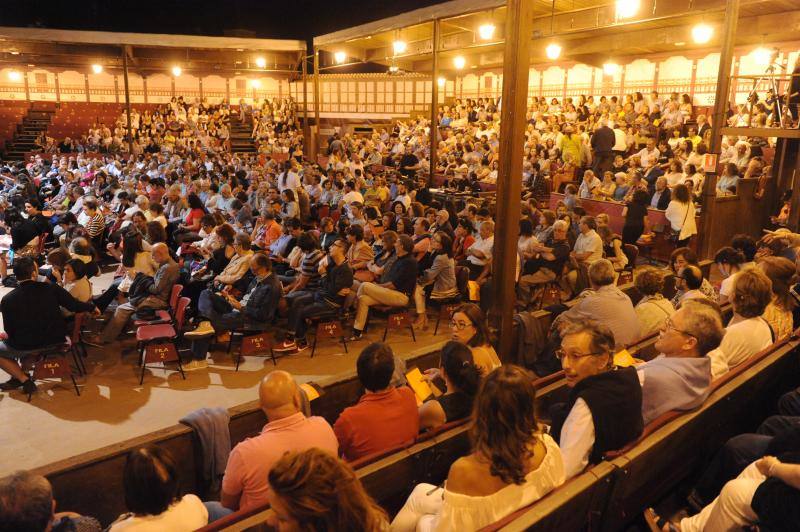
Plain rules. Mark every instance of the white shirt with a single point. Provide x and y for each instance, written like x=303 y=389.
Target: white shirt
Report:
x=620 y=140
x=484 y=245
x=577 y=438
x=589 y=242
x=743 y=339
x=352 y=196
x=185 y=515
x=648 y=158
x=681 y=218
x=291 y=181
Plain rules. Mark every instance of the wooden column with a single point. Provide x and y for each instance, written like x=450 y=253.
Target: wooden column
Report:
x=516 y=63
x=317 y=103
x=434 y=136
x=127 y=97
x=720 y=107
x=306 y=126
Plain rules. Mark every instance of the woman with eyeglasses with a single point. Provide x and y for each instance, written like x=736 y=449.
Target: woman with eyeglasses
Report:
x=468 y=326
x=438 y=281
x=513 y=462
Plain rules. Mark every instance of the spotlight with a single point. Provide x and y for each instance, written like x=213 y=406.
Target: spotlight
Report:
x=261 y=62
x=459 y=62
x=702 y=33
x=553 y=51
x=441 y=82
x=609 y=69
x=486 y=31
x=339 y=57
x=14 y=75
x=394 y=69
x=399 y=47
x=255 y=83
x=97 y=69
x=627 y=8
x=176 y=71
x=762 y=56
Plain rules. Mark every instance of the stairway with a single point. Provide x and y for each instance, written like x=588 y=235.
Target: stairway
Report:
x=241 y=142
x=33 y=124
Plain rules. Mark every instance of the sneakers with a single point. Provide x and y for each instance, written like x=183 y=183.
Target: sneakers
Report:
x=301 y=346
x=288 y=345
x=29 y=387
x=356 y=336
x=204 y=329
x=11 y=384
x=195 y=365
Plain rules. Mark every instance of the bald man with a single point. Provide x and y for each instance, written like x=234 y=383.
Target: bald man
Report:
x=287 y=429
x=154 y=296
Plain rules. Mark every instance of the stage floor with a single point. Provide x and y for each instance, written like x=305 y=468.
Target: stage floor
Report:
x=113 y=408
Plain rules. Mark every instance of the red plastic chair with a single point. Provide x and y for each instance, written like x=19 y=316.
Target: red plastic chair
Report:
x=148 y=334
x=164 y=316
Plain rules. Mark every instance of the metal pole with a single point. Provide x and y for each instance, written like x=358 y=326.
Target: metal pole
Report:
x=306 y=127
x=434 y=137
x=721 y=101
x=127 y=97
x=516 y=62
x=317 y=103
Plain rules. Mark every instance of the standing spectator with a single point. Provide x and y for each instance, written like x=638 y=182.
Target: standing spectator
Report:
x=385 y=416
x=602 y=142
x=635 y=214
x=681 y=215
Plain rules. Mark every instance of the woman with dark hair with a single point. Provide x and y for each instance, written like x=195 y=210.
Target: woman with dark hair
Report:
x=359 y=254
x=152 y=497
x=635 y=214
x=439 y=280
x=678 y=260
x=155 y=233
x=314 y=491
x=290 y=208
x=462 y=378
x=404 y=226
x=513 y=462
x=463 y=239
x=75 y=282
x=468 y=326
x=680 y=213
x=729 y=261
x=189 y=230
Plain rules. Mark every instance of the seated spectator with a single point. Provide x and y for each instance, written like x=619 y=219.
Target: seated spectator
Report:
x=438 y=282
x=606 y=303
x=680 y=258
x=27 y=504
x=588 y=185
x=152 y=489
x=689 y=284
x=468 y=326
x=245 y=484
x=32 y=319
x=748 y=332
x=239 y=264
x=313 y=490
x=548 y=266
x=604 y=409
x=395 y=292
x=513 y=463
x=461 y=376
x=153 y=296
x=612 y=248
x=225 y=312
x=479 y=254
x=653 y=309
x=662 y=195
x=589 y=246
x=728 y=182
x=680 y=379
x=783 y=274
x=385 y=416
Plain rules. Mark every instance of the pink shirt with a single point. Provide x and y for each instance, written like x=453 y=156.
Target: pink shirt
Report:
x=251 y=460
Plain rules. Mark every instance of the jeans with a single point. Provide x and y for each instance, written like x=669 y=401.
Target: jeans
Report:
x=216 y=510
x=305 y=306
x=220 y=321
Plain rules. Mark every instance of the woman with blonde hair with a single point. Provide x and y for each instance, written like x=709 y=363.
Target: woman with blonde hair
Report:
x=783 y=274
x=314 y=491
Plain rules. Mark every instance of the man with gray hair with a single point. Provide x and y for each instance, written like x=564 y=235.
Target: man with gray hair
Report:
x=442 y=223
x=680 y=378
x=607 y=304
x=27 y=504
x=548 y=265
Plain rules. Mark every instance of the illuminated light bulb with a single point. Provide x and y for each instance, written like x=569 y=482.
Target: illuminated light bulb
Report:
x=441 y=82
x=486 y=31
x=14 y=75
x=255 y=83
x=702 y=33
x=459 y=62
x=610 y=68
x=393 y=68
x=627 y=8
x=97 y=69
x=339 y=57
x=176 y=71
x=762 y=56
x=261 y=62
x=399 y=47
x=553 y=51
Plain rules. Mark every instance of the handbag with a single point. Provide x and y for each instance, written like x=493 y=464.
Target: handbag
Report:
x=673 y=235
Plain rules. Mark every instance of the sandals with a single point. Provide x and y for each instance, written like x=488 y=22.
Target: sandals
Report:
x=658 y=524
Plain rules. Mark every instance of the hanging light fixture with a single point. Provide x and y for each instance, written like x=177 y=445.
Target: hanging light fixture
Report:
x=340 y=57
x=14 y=75
x=762 y=55
x=441 y=82
x=610 y=68
x=702 y=33
x=459 y=62
x=486 y=31
x=261 y=62
x=97 y=69
x=399 y=47
x=177 y=71
x=627 y=8
x=553 y=51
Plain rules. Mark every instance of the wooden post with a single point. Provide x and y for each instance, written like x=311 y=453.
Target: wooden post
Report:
x=127 y=97
x=720 y=107
x=306 y=126
x=434 y=137
x=317 y=103
x=516 y=63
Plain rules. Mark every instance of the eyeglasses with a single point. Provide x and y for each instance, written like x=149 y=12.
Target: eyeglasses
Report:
x=561 y=354
x=669 y=324
x=459 y=325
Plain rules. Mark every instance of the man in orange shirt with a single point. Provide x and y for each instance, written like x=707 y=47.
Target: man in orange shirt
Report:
x=385 y=416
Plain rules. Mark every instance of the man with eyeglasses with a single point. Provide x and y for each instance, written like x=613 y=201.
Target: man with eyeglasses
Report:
x=604 y=409
x=680 y=379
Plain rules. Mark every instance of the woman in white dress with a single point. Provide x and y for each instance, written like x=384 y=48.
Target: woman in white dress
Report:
x=504 y=472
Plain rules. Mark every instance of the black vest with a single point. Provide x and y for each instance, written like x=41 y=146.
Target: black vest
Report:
x=615 y=400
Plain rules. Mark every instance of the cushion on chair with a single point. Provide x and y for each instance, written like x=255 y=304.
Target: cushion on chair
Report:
x=153 y=332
